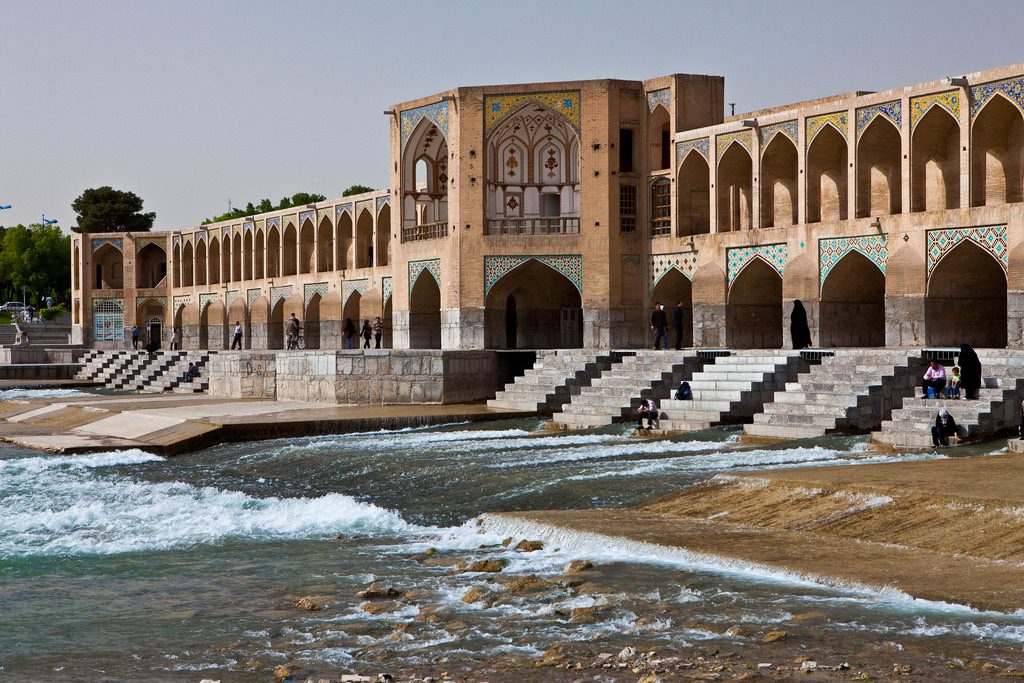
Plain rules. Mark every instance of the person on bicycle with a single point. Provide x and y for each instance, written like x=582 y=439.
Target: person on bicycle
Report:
x=293 y=327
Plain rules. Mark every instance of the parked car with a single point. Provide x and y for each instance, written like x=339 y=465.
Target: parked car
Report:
x=13 y=307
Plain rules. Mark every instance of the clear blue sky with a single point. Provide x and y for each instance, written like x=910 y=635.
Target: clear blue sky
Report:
x=189 y=103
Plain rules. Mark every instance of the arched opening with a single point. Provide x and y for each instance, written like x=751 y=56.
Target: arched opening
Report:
x=853 y=304
x=661 y=207
x=311 y=323
x=778 y=183
x=935 y=162
x=325 y=246
x=275 y=326
x=288 y=250
x=150 y=266
x=966 y=301
x=734 y=189
x=247 y=250
x=211 y=326
x=383 y=251
x=826 y=176
x=259 y=324
x=307 y=249
x=214 y=261
x=425 y=313
x=694 y=195
x=76 y=266
x=76 y=312
x=259 y=257
x=386 y=340
x=179 y=327
x=200 y=262
x=659 y=133
x=998 y=143
x=273 y=253
x=879 y=170
x=364 y=239
x=236 y=258
x=546 y=310
x=345 y=242
x=238 y=314
x=674 y=289
x=108 y=263
x=753 y=315
x=187 y=265
x=150 y=313
x=351 y=310
x=424 y=177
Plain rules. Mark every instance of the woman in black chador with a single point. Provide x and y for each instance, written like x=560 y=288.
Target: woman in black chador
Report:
x=798 y=329
x=970 y=372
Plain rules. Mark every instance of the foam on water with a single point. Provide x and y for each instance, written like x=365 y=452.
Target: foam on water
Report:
x=22 y=394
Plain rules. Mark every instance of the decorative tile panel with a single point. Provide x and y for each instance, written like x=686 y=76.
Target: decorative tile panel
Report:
x=251 y=295
x=180 y=301
x=432 y=266
x=787 y=128
x=311 y=290
x=744 y=137
x=366 y=205
x=919 y=106
x=631 y=258
x=437 y=113
x=225 y=231
x=160 y=241
x=274 y=222
x=838 y=120
x=115 y=242
x=565 y=103
x=205 y=299
x=991 y=238
x=199 y=237
x=683 y=149
x=831 y=251
x=890 y=110
x=212 y=233
x=1013 y=88
x=247 y=227
x=304 y=215
x=349 y=286
x=386 y=285
x=659 y=264
x=231 y=296
x=162 y=300
x=176 y=240
x=736 y=259
x=569 y=265
x=279 y=293
x=342 y=208
x=656 y=97
x=381 y=201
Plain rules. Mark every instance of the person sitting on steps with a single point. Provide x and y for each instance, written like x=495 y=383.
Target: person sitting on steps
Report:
x=953 y=389
x=648 y=409
x=945 y=427
x=934 y=379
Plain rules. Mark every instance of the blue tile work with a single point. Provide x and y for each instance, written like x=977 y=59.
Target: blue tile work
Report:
x=116 y=242
x=565 y=103
x=385 y=285
x=162 y=300
x=274 y=222
x=1012 y=88
x=140 y=242
x=365 y=205
x=683 y=148
x=919 y=106
x=349 y=286
x=744 y=137
x=890 y=110
x=310 y=290
x=662 y=97
x=788 y=128
x=247 y=227
x=437 y=113
x=838 y=120
x=990 y=238
x=737 y=258
x=381 y=201
x=206 y=299
x=179 y=302
x=304 y=215
x=231 y=296
x=342 y=208
x=251 y=295
x=225 y=231
x=659 y=264
x=832 y=250
x=432 y=266
x=279 y=293
x=569 y=265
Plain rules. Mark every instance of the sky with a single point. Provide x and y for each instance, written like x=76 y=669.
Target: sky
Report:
x=188 y=104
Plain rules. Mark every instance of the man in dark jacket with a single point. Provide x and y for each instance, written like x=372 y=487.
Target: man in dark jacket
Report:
x=677 y=323
x=659 y=323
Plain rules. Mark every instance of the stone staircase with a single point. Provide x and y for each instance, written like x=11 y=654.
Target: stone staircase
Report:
x=996 y=410
x=732 y=389
x=554 y=379
x=614 y=395
x=156 y=372
x=852 y=390
x=50 y=333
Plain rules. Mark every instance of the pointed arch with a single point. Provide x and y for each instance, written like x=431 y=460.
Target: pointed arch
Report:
x=273 y=253
x=693 y=189
x=879 y=169
x=150 y=266
x=325 y=246
x=779 y=161
x=826 y=176
x=214 y=261
x=674 y=290
x=201 y=262
x=425 y=314
x=424 y=199
x=187 y=265
x=659 y=138
x=289 y=250
x=853 y=303
x=754 y=307
x=364 y=239
x=735 y=180
x=997 y=147
x=533 y=306
x=345 y=256
x=382 y=254
x=236 y=258
x=108 y=263
x=248 y=254
x=935 y=161
x=307 y=251
x=966 y=299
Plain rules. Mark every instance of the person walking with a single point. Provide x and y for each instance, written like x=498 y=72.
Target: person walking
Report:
x=970 y=372
x=367 y=332
x=293 y=327
x=799 y=332
x=136 y=333
x=659 y=323
x=378 y=331
x=677 y=324
x=174 y=339
x=348 y=332
x=237 y=341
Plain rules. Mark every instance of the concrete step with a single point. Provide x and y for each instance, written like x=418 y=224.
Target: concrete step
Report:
x=781 y=432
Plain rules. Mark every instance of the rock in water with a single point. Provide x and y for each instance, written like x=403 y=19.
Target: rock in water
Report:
x=737 y=631
x=312 y=603
x=474 y=595
x=488 y=566
x=577 y=566
x=378 y=592
x=529 y=546
x=284 y=671
x=774 y=636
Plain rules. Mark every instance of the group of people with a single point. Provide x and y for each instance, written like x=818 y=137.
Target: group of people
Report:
x=964 y=377
x=660 y=322
x=367 y=332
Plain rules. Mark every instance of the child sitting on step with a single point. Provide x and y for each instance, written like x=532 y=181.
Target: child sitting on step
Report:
x=953 y=389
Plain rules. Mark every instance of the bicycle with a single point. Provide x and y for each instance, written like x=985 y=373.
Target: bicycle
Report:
x=298 y=343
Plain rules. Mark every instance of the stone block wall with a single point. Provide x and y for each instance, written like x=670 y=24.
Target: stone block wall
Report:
x=243 y=375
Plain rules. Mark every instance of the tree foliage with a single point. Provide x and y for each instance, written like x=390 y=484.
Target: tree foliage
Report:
x=265 y=206
x=356 y=189
x=104 y=209
x=36 y=259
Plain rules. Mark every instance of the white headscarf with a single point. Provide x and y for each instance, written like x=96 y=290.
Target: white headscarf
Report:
x=943 y=413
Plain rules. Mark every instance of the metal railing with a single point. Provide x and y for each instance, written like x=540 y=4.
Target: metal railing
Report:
x=427 y=231
x=557 y=225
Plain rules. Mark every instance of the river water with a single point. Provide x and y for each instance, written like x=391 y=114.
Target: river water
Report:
x=125 y=565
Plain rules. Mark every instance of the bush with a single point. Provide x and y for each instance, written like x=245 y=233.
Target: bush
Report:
x=54 y=312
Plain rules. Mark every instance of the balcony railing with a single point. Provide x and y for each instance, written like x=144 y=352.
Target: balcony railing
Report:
x=427 y=231
x=558 y=225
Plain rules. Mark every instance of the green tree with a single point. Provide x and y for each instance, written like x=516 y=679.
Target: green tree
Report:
x=104 y=209
x=36 y=259
x=265 y=206
x=356 y=189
